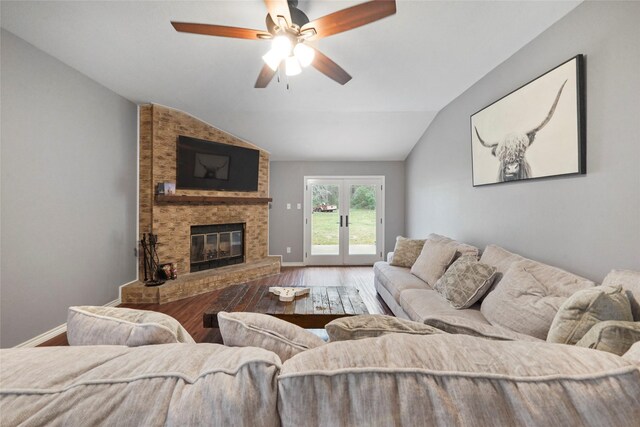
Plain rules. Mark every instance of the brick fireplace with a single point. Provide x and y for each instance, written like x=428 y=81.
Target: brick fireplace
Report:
x=173 y=218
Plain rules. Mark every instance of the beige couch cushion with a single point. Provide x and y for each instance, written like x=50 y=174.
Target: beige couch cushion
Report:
x=630 y=282
x=373 y=325
x=465 y=282
x=406 y=251
x=456 y=380
x=433 y=261
x=499 y=258
x=396 y=279
x=461 y=248
x=613 y=336
x=96 y=325
x=466 y=326
x=261 y=330
x=421 y=304
x=170 y=384
x=528 y=297
x=584 y=309
x=633 y=355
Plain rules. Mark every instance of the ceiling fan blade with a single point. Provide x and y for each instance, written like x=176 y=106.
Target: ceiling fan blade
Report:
x=350 y=18
x=326 y=66
x=220 y=31
x=279 y=8
x=265 y=76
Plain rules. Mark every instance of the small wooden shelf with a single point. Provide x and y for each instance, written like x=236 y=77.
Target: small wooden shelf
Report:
x=214 y=200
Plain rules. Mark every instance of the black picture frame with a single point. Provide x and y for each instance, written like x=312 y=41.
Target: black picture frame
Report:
x=536 y=131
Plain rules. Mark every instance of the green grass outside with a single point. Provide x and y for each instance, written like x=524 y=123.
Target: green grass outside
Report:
x=362 y=227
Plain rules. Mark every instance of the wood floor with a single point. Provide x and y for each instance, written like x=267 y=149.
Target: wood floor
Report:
x=189 y=311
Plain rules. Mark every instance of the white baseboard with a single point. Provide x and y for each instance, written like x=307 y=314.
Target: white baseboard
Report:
x=120 y=292
x=36 y=341
x=292 y=264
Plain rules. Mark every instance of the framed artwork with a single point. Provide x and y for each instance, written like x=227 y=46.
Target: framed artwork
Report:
x=536 y=131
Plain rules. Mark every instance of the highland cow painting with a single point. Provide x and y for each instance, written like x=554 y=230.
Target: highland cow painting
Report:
x=536 y=131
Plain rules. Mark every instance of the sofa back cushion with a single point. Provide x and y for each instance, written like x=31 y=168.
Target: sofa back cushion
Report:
x=529 y=295
x=169 y=384
x=97 y=325
x=584 y=309
x=444 y=380
x=461 y=248
x=499 y=258
x=285 y=339
x=630 y=282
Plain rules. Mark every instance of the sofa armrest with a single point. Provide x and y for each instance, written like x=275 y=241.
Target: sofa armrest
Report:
x=614 y=336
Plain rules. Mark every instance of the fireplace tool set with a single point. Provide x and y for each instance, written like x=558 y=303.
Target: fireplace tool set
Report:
x=150 y=260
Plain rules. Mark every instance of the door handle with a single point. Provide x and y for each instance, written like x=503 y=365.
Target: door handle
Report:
x=347 y=224
x=340 y=220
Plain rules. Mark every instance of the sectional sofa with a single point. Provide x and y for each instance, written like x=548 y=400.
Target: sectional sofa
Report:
x=520 y=305
x=444 y=367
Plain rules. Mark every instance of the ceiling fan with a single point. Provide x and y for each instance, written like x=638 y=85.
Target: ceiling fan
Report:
x=290 y=30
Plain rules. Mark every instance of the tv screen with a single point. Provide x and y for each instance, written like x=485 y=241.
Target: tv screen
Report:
x=207 y=165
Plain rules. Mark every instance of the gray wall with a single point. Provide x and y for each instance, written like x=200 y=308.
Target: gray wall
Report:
x=586 y=224
x=68 y=191
x=286 y=186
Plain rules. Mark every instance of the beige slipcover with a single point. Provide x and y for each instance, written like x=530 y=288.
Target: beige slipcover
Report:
x=529 y=295
x=97 y=325
x=159 y=385
x=285 y=339
x=456 y=380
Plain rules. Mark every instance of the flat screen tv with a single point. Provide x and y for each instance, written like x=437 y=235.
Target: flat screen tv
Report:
x=207 y=165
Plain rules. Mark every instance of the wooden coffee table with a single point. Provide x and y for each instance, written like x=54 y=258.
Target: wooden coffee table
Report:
x=322 y=305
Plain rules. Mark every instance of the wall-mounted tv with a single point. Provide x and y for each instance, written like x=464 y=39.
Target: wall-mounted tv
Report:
x=207 y=165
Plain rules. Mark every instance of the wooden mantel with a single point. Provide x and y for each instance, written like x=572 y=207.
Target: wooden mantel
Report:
x=216 y=200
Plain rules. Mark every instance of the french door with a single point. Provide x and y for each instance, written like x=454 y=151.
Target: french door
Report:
x=343 y=220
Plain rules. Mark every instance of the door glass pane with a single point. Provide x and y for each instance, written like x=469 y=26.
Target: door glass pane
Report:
x=362 y=220
x=325 y=219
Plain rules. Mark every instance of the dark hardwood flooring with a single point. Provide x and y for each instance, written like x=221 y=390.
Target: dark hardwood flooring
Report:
x=189 y=311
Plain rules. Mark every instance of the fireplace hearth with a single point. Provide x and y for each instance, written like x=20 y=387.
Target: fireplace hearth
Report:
x=216 y=245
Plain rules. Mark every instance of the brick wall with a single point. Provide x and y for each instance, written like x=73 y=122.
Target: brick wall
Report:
x=159 y=130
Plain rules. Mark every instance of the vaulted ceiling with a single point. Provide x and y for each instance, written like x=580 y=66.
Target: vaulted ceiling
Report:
x=405 y=67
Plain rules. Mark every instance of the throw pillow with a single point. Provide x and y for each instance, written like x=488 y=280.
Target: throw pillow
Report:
x=433 y=261
x=406 y=251
x=243 y=329
x=95 y=325
x=612 y=335
x=630 y=282
x=374 y=325
x=528 y=297
x=465 y=282
x=584 y=309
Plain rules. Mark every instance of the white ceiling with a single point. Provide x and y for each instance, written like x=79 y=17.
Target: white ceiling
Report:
x=405 y=67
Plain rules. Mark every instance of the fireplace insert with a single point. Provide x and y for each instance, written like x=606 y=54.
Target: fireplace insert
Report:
x=216 y=245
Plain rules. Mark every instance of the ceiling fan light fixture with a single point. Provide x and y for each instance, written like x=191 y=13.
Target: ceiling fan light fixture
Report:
x=272 y=59
x=304 y=54
x=292 y=66
x=282 y=46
